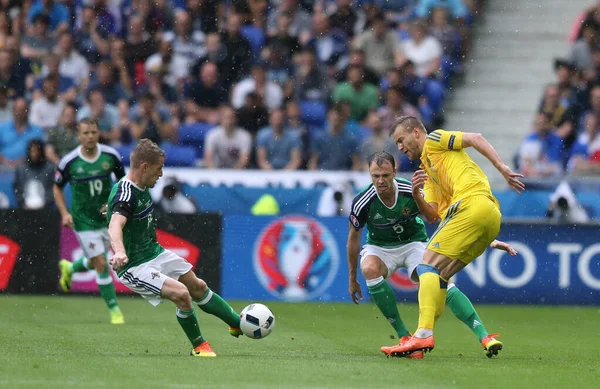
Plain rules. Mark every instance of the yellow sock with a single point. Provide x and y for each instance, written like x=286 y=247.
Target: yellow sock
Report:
x=432 y=297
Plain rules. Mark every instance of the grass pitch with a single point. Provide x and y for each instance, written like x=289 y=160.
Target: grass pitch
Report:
x=66 y=342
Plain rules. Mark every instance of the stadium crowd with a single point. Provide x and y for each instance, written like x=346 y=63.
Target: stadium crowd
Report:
x=280 y=84
x=565 y=136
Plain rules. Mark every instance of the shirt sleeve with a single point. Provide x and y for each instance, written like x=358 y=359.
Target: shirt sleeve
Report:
x=119 y=169
x=440 y=140
x=429 y=193
x=61 y=174
x=123 y=203
x=359 y=211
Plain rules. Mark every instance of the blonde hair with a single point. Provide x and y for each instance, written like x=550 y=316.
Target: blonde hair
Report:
x=146 y=151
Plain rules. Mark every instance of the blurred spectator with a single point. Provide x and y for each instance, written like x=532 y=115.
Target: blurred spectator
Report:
x=173 y=66
x=16 y=135
x=553 y=104
x=585 y=155
x=345 y=18
x=279 y=72
x=164 y=93
x=105 y=82
x=295 y=124
x=39 y=42
x=121 y=75
x=45 y=111
x=227 y=146
x=174 y=201
x=8 y=28
x=34 y=179
x=378 y=140
x=362 y=96
x=541 y=153
x=148 y=121
x=281 y=41
x=204 y=14
x=276 y=146
x=6 y=105
x=581 y=51
x=380 y=45
x=447 y=34
x=204 y=96
x=72 y=64
x=330 y=46
x=63 y=138
x=253 y=115
x=187 y=42
x=395 y=106
x=335 y=149
x=258 y=13
x=312 y=82
x=270 y=92
x=58 y=14
x=215 y=53
x=13 y=73
x=156 y=15
x=301 y=20
x=357 y=58
x=422 y=50
x=106 y=115
x=139 y=46
x=238 y=49
x=66 y=86
x=574 y=120
x=456 y=8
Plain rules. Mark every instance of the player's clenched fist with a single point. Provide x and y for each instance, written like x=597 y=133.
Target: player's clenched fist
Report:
x=118 y=260
x=418 y=180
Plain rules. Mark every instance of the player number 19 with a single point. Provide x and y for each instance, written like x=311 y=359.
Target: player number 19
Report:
x=95 y=187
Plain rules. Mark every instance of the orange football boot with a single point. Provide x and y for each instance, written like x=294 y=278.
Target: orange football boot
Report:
x=412 y=345
x=416 y=355
x=491 y=345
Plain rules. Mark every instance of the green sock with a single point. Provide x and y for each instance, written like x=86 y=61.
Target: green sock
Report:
x=464 y=311
x=81 y=265
x=384 y=298
x=189 y=323
x=107 y=289
x=215 y=305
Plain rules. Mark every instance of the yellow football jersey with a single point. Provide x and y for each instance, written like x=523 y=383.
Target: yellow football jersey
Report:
x=453 y=175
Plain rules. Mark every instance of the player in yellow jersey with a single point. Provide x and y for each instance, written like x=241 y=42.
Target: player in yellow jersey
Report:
x=458 y=193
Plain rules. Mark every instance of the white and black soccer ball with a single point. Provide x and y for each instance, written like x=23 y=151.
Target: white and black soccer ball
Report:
x=257 y=321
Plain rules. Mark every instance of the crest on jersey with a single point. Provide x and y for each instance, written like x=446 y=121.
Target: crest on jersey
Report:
x=405 y=211
x=296 y=258
x=106 y=166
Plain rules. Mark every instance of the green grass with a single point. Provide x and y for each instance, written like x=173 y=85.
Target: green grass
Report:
x=66 y=342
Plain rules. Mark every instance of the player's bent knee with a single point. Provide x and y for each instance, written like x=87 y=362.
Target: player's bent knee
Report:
x=372 y=268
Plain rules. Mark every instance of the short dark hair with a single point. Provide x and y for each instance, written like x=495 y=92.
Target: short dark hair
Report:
x=381 y=157
x=88 y=122
x=408 y=122
x=146 y=151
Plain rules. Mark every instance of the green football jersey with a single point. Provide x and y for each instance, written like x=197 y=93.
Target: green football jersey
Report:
x=91 y=182
x=388 y=227
x=139 y=233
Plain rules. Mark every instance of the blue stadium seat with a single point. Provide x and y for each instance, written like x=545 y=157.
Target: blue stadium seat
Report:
x=125 y=150
x=193 y=135
x=313 y=113
x=255 y=36
x=180 y=156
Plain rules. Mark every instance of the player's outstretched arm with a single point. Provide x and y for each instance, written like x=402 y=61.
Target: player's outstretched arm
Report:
x=479 y=143
x=353 y=249
x=115 y=232
x=428 y=210
x=500 y=245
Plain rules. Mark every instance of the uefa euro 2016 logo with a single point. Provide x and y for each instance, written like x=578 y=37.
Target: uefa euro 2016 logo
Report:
x=296 y=258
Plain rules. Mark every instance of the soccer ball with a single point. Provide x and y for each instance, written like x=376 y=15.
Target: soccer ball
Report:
x=257 y=321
